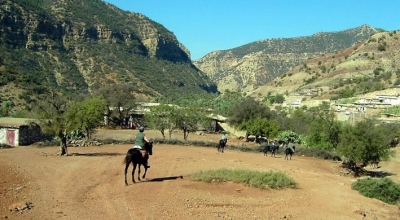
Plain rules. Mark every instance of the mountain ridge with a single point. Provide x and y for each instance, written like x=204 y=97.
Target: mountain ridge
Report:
x=76 y=47
x=369 y=66
x=251 y=65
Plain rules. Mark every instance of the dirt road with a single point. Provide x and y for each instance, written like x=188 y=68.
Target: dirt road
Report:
x=90 y=185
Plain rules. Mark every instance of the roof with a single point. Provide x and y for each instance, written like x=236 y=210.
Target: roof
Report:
x=15 y=122
x=217 y=117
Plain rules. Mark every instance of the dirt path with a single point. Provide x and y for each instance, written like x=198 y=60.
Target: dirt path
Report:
x=90 y=185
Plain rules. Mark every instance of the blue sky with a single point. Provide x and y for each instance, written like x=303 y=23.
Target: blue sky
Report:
x=203 y=26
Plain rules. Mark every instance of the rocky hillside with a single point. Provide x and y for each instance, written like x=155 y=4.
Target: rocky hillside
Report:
x=79 y=46
x=252 y=65
x=371 y=65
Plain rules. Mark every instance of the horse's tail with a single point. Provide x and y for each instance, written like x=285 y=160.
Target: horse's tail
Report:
x=127 y=159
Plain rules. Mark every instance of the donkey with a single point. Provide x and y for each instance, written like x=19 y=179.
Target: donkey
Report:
x=270 y=148
x=289 y=152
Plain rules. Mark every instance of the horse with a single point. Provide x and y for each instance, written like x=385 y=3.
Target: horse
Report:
x=135 y=157
x=290 y=152
x=221 y=146
x=271 y=148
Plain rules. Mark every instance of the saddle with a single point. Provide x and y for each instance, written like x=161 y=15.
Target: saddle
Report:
x=144 y=153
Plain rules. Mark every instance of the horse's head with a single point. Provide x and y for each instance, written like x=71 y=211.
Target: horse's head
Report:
x=149 y=147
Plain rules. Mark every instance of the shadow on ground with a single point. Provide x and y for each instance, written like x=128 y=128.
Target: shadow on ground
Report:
x=95 y=154
x=160 y=179
x=379 y=174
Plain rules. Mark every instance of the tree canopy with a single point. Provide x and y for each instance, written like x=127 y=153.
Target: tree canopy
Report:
x=365 y=141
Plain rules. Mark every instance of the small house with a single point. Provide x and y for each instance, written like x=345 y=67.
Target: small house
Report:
x=19 y=131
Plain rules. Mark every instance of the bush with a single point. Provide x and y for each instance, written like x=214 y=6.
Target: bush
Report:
x=383 y=189
x=51 y=143
x=381 y=47
x=317 y=153
x=263 y=180
x=5 y=146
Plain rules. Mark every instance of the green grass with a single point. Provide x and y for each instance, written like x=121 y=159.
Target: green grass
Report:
x=394 y=110
x=262 y=180
x=383 y=189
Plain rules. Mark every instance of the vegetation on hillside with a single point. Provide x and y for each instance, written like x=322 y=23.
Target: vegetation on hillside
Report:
x=353 y=71
x=79 y=47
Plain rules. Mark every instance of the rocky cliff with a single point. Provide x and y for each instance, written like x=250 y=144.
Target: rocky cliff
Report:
x=82 y=45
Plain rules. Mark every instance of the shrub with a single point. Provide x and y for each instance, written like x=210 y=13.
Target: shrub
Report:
x=383 y=189
x=263 y=180
x=397 y=82
x=5 y=146
x=51 y=143
x=317 y=153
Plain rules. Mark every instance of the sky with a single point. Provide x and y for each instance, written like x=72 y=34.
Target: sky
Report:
x=204 y=26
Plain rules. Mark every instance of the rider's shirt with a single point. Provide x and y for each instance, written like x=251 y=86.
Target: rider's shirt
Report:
x=140 y=139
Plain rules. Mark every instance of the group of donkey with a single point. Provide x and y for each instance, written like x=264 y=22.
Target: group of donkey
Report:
x=269 y=148
x=134 y=157
x=289 y=151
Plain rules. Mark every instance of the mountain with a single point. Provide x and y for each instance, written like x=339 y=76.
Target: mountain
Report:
x=79 y=46
x=368 y=66
x=252 y=65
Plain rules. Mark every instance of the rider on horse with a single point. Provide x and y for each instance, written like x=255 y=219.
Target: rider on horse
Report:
x=140 y=141
x=224 y=138
x=290 y=144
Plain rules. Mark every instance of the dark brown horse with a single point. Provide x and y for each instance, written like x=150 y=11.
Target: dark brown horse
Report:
x=135 y=157
x=221 y=145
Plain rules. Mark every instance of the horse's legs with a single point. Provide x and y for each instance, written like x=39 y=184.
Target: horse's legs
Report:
x=133 y=172
x=145 y=171
x=126 y=170
x=139 y=173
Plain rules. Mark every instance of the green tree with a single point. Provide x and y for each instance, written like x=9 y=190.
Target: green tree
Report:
x=290 y=135
x=324 y=130
x=162 y=118
x=188 y=119
x=120 y=101
x=298 y=121
x=279 y=98
x=365 y=141
x=6 y=109
x=50 y=110
x=260 y=127
x=87 y=115
x=247 y=109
